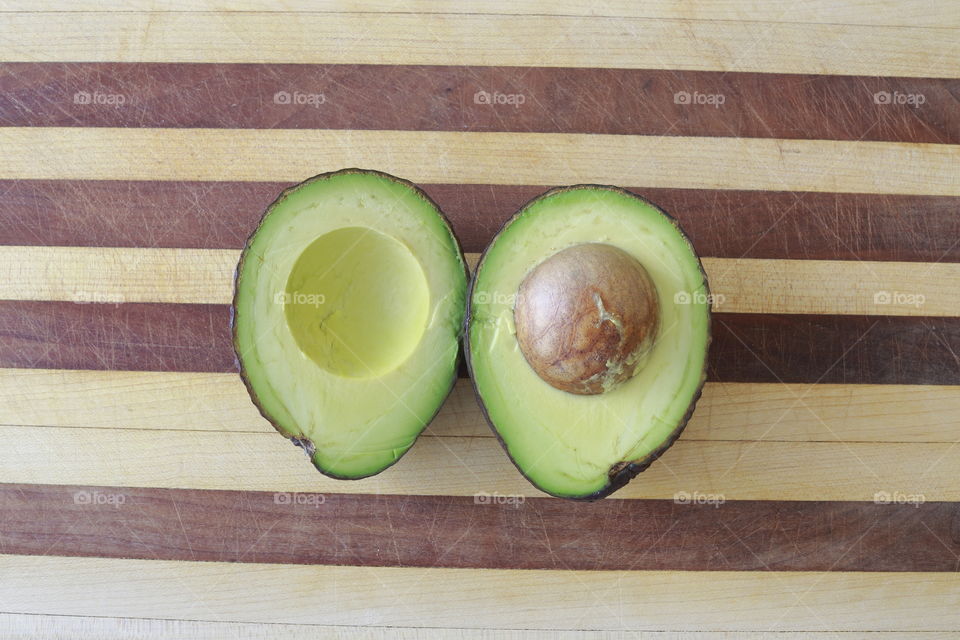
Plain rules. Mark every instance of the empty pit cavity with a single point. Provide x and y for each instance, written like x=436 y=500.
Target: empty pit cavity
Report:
x=357 y=302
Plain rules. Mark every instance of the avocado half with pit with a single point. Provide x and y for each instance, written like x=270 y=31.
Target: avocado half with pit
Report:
x=347 y=315
x=587 y=337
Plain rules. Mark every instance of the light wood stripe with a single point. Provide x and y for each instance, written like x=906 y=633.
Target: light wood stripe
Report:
x=465 y=466
x=481 y=158
x=446 y=598
x=125 y=628
x=118 y=275
x=915 y=13
x=834 y=287
x=727 y=411
x=486 y=40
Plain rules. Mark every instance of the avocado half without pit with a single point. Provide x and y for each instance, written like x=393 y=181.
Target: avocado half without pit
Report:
x=348 y=309
x=587 y=334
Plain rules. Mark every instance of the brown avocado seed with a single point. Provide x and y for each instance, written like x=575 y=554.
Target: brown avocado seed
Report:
x=586 y=317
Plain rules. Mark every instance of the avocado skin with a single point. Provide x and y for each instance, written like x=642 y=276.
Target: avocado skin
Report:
x=300 y=441
x=633 y=468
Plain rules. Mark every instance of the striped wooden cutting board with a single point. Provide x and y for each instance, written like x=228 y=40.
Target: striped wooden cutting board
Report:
x=811 y=150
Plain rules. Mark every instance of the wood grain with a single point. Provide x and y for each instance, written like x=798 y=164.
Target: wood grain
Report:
x=742 y=601
x=140 y=337
x=745 y=348
x=20 y=625
x=746 y=285
x=822 y=401
x=726 y=411
x=833 y=287
x=220 y=215
x=540 y=533
x=448 y=98
x=123 y=628
x=107 y=153
x=480 y=40
x=93 y=628
x=465 y=466
x=834 y=349
x=117 y=275
x=913 y=13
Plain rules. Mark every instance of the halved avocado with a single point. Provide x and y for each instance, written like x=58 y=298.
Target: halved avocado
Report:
x=588 y=325
x=347 y=314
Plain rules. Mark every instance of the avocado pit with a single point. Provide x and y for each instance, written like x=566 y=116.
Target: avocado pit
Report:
x=585 y=318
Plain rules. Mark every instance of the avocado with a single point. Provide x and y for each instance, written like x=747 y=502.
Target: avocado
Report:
x=588 y=325
x=347 y=316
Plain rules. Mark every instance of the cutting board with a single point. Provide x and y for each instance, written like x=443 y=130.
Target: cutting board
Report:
x=811 y=152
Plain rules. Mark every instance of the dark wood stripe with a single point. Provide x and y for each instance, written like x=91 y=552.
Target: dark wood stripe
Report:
x=732 y=224
x=835 y=349
x=446 y=531
x=746 y=347
x=126 y=337
x=617 y=101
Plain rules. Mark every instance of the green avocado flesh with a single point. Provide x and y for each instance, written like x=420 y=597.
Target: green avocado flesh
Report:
x=581 y=446
x=348 y=310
